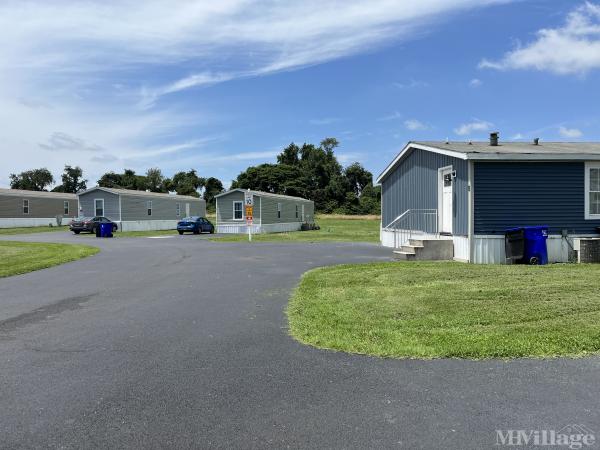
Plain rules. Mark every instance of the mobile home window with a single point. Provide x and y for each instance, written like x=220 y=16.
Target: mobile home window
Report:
x=66 y=208
x=99 y=206
x=25 y=206
x=237 y=210
x=279 y=210
x=296 y=211
x=592 y=184
x=149 y=207
x=178 y=209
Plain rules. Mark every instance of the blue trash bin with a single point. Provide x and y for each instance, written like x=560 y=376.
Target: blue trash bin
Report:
x=106 y=230
x=536 y=250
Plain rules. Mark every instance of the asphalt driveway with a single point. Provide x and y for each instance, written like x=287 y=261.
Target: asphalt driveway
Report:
x=182 y=343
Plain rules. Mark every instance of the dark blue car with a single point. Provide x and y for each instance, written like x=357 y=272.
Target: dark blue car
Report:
x=195 y=225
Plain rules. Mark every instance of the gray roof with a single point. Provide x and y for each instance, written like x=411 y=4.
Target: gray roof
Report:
x=265 y=194
x=505 y=151
x=39 y=194
x=139 y=193
x=565 y=149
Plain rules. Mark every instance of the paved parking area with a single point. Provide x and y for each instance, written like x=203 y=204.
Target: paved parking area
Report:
x=182 y=343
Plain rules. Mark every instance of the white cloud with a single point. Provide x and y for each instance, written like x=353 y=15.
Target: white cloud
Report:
x=476 y=125
x=414 y=125
x=393 y=116
x=573 y=48
x=475 y=83
x=324 y=121
x=571 y=133
x=91 y=75
x=63 y=141
x=411 y=84
x=518 y=137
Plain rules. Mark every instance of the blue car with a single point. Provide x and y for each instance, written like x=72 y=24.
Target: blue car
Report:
x=195 y=225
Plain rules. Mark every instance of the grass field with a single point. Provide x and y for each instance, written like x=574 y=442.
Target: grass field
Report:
x=433 y=310
x=22 y=257
x=333 y=228
x=30 y=230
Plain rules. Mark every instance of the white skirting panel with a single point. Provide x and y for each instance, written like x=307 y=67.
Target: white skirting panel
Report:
x=490 y=249
x=234 y=228
x=147 y=225
x=461 y=248
x=386 y=238
x=31 y=222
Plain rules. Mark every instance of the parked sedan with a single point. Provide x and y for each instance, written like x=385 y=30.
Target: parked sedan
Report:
x=195 y=225
x=89 y=224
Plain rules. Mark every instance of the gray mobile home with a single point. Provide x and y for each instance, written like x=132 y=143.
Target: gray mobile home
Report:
x=20 y=208
x=139 y=210
x=471 y=192
x=273 y=213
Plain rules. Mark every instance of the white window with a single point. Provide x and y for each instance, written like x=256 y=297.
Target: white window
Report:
x=296 y=211
x=178 y=209
x=25 y=206
x=66 y=207
x=149 y=207
x=237 y=211
x=592 y=191
x=99 y=206
x=279 y=210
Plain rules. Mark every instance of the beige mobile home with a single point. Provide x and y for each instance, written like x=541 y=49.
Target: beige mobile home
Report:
x=20 y=208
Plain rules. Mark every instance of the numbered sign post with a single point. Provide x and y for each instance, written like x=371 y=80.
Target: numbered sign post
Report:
x=249 y=205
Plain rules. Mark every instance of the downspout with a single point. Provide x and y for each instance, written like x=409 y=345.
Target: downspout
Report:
x=216 y=213
x=471 y=218
x=260 y=212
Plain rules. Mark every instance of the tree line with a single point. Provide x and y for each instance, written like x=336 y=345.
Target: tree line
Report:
x=314 y=172
x=309 y=171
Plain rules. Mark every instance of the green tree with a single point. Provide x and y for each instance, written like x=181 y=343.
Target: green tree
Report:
x=111 y=180
x=289 y=155
x=186 y=183
x=126 y=180
x=155 y=181
x=212 y=187
x=358 y=177
x=32 y=180
x=314 y=172
x=72 y=180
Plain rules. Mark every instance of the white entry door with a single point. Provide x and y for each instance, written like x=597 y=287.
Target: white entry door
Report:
x=446 y=201
x=187 y=210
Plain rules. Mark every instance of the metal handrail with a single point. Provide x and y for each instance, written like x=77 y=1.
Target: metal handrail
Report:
x=411 y=222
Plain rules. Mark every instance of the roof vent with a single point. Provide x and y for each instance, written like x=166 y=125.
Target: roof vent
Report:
x=494 y=139
x=536 y=141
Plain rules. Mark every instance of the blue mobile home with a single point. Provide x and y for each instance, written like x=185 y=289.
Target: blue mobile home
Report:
x=471 y=193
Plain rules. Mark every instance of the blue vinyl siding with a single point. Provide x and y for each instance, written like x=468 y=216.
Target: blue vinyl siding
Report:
x=511 y=194
x=413 y=184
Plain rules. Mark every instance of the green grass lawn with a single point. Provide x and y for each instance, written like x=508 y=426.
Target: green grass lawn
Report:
x=29 y=230
x=332 y=229
x=434 y=310
x=22 y=257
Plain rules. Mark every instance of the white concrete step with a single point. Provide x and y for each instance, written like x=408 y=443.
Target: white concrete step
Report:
x=426 y=250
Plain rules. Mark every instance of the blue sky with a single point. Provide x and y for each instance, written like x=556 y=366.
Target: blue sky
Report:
x=219 y=87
